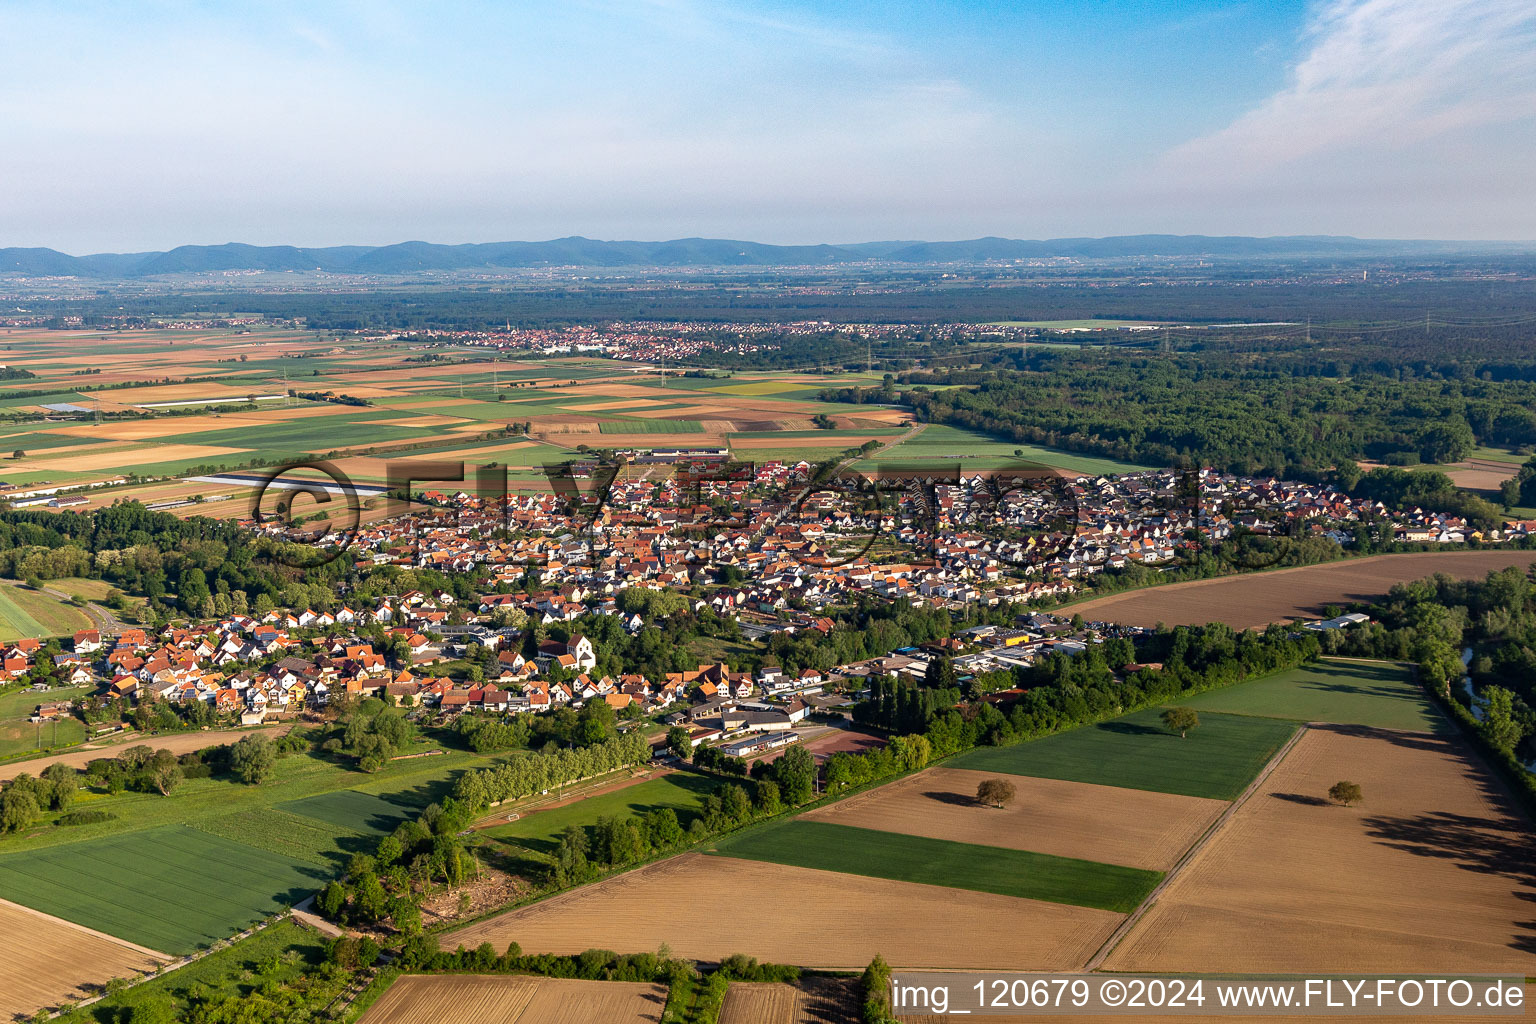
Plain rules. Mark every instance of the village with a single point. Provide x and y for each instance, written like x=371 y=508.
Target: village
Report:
x=542 y=564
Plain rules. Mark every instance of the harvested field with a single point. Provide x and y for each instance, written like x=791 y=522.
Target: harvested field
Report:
x=70 y=462
x=830 y=440
x=1480 y=474
x=1215 y=1018
x=1257 y=599
x=1133 y=827
x=1434 y=871
x=811 y=1000
x=513 y=999
x=629 y=403
x=151 y=427
x=854 y=918
x=49 y=961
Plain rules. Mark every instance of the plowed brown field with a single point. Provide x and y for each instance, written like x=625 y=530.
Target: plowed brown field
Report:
x=1258 y=599
x=709 y=907
x=1219 y=1018
x=815 y=1000
x=48 y=961
x=1435 y=871
x=1069 y=819
x=512 y=999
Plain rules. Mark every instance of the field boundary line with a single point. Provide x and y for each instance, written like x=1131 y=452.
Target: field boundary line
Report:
x=154 y=953
x=1124 y=929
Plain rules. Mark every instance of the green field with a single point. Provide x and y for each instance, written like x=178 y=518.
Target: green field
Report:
x=904 y=858
x=292 y=835
x=363 y=812
x=650 y=427
x=684 y=792
x=28 y=613
x=1341 y=692
x=175 y=889
x=1216 y=760
x=223 y=843
x=953 y=446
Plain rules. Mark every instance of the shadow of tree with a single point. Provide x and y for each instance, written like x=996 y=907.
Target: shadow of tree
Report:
x=1134 y=729
x=955 y=799
x=1301 y=798
x=1502 y=844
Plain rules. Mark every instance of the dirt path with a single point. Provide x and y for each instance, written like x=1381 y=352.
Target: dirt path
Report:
x=176 y=743
x=100 y=617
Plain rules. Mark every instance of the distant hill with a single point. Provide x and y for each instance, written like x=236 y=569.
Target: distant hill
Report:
x=418 y=257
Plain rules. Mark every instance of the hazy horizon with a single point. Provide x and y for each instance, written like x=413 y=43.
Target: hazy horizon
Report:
x=133 y=129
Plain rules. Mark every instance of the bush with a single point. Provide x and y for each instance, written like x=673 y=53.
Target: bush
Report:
x=86 y=817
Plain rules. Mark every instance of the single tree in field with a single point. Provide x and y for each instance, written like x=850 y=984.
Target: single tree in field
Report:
x=1346 y=793
x=252 y=758
x=1180 y=720
x=995 y=792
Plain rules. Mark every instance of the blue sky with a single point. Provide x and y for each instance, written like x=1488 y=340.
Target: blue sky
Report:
x=146 y=125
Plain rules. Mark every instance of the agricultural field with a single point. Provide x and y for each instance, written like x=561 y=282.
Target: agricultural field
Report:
x=1111 y=825
x=185 y=404
x=942 y=862
x=27 y=613
x=1433 y=871
x=154 y=854
x=1280 y=595
x=515 y=999
x=855 y=917
x=812 y=1000
x=1343 y=692
x=49 y=961
x=361 y=812
x=956 y=448
x=1216 y=761
x=174 y=888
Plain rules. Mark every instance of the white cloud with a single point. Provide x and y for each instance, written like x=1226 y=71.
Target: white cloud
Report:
x=1384 y=76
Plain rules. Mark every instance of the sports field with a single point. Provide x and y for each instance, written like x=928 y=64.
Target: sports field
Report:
x=1216 y=760
x=908 y=858
x=175 y=888
x=1372 y=693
